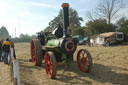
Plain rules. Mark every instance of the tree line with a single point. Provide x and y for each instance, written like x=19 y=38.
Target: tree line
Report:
x=100 y=21
x=22 y=38
x=4 y=33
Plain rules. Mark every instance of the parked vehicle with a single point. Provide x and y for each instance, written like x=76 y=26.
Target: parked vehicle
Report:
x=110 y=37
x=81 y=40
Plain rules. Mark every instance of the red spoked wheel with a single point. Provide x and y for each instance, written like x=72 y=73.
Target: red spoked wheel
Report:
x=36 y=53
x=84 y=60
x=50 y=64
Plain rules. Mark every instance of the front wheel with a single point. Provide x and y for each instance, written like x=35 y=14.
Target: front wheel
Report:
x=84 y=60
x=50 y=64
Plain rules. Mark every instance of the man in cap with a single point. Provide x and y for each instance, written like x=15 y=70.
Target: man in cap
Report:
x=5 y=50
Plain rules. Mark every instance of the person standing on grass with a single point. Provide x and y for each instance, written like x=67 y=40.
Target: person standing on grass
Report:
x=0 y=50
x=5 y=50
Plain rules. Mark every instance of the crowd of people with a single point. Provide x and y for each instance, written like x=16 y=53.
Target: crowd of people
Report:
x=5 y=50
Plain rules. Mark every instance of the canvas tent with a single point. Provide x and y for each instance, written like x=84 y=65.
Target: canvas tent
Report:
x=112 y=37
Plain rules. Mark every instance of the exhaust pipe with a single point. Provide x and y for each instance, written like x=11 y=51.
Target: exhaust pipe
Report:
x=65 y=7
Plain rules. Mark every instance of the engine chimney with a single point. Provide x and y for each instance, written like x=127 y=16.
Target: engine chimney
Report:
x=65 y=7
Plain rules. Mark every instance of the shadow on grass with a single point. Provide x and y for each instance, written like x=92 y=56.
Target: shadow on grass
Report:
x=100 y=73
x=71 y=75
x=26 y=70
x=27 y=64
x=105 y=74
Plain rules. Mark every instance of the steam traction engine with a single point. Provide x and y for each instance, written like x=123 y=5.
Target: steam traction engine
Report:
x=60 y=49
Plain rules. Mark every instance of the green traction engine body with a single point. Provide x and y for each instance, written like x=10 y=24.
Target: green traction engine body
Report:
x=59 y=49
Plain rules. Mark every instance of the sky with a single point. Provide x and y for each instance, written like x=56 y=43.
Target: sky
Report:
x=31 y=16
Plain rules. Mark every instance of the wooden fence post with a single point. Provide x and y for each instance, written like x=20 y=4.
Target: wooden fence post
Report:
x=14 y=68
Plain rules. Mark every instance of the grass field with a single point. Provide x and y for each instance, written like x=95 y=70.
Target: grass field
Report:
x=110 y=67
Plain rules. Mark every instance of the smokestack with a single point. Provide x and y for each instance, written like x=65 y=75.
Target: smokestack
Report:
x=65 y=7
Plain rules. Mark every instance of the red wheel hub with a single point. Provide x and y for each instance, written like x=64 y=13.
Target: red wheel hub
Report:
x=82 y=61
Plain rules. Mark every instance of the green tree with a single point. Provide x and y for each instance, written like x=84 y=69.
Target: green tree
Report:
x=78 y=31
x=33 y=36
x=73 y=19
x=4 y=33
x=123 y=26
x=98 y=26
x=107 y=9
x=24 y=38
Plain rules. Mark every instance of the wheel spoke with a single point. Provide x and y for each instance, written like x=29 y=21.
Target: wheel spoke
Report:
x=50 y=65
x=84 y=69
x=49 y=73
x=82 y=54
x=33 y=55
x=84 y=60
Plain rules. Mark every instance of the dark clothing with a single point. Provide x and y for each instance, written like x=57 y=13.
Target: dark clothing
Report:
x=5 y=54
x=59 y=32
x=0 y=51
x=0 y=55
x=14 y=54
x=0 y=46
x=13 y=46
x=5 y=50
x=6 y=46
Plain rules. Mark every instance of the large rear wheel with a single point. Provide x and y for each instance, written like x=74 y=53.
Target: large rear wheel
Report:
x=50 y=64
x=84 y=60
x=36 y=52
